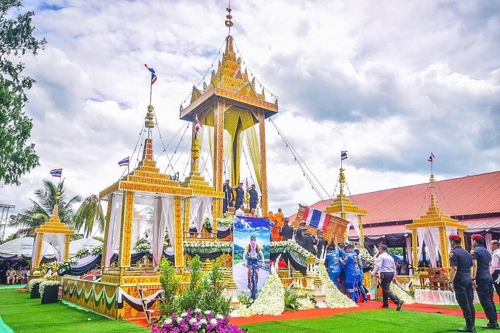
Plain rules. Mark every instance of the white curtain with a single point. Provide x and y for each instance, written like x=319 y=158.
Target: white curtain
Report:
x=409 y=255
x=420 y=232
x=432 y=241
x=487 y=240
x=57 y=241
x=201 y=208
x=354 y=221
x=163 y=221
x=114 y=227
x=34 y=252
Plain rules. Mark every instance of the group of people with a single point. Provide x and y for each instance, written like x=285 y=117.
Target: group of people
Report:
x=236 y=197
x=14 y=274
x=477 y=270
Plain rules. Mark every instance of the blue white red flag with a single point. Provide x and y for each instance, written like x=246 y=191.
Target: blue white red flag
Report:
x=153 y=74
x=316 y=218
x=343 y=155
x=56 y=172
x=197 y=124
x=124 y=162
x=431 y=158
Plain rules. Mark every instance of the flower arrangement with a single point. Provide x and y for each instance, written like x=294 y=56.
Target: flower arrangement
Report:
x=142 y=246
x=206 y=223
x=401 y=294
x=271 y=299
x=226 y=220
x=366 y=258
x=66 y=264
x=46 y=283
x=334 y=298
x=291 y=247
x=208 y=247
x=82 y=253
x=196 y=321
x=97 y=250
x=32 y=283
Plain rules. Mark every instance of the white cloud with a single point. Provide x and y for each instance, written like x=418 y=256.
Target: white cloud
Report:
x=390 y=82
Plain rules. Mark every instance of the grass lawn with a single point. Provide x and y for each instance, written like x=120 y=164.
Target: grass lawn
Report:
x=23 y=314
x=368 y=321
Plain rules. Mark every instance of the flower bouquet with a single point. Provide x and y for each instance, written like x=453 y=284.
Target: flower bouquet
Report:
x=142 y=246
x=225 y=221
x=196 y=322
x=207 y=247
x=334 y=298
x=49 y=290
x=290 y=247
x=82 y=253
x=97 y=250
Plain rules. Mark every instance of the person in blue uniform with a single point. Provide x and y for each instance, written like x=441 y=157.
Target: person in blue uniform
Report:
x=482 y=280
x=228 y=196
x=359 y=276
x=461 y=281
x=240 y=195
x=350 y=273
x=333 y=265
x=254 y=197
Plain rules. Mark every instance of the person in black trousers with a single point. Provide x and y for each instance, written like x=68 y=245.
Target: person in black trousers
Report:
x=482 y=281
x=461 y=281
x=495 y=265
x=387 y=268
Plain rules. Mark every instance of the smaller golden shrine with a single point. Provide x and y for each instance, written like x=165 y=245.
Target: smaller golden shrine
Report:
x=54 y=232
x=343 y=206
x=434 y=218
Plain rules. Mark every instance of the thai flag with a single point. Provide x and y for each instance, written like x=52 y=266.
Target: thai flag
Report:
x=56 y=172
x=153 y=74
x=197 y=124
x=431 y=158
x=316 y=218
x=124 y=162
x=343 y=155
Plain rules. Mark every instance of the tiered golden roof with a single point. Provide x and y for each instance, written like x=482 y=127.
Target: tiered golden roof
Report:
x=435 y=218
x=147 y=178
x=342 y=204
x=54 y=225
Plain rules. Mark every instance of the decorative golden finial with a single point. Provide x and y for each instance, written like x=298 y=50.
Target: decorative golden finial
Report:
x=195 y=153
x=432 y=183
x=149 y=121
x=228 y=22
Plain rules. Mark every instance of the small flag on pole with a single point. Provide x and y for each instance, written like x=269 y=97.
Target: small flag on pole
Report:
x=124 y=162
x=431 y=158
x=343 y=155
x=153 y=74
x=197 y=124
x=56 y=173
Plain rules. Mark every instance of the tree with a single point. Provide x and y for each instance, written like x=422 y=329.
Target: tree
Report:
x=17 y=156
x=42 y=209
x=88 y=214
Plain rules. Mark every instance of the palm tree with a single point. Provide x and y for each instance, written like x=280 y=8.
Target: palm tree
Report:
x=88 y=214
x=42 y=209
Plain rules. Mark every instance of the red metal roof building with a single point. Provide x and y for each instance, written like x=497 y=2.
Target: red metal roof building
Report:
x=473 y=200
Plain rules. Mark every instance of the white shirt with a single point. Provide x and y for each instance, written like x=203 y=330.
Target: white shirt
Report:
x=495 y=261
x=385 y=264
x=239 y=212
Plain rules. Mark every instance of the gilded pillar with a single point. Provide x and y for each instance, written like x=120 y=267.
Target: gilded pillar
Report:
x=38 y=245
x=218 y=151
x=187 y=217
x=263 y=165
x=111 y=203
x=126 y=230
x=462 y=237
x=178 y=236
x=414 y=249
x=66 y=247
x=445 y=260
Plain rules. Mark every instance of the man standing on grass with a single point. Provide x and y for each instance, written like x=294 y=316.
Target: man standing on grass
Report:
x=461 y=282
x=495 y=266
x=387 y=268
x=482 y=281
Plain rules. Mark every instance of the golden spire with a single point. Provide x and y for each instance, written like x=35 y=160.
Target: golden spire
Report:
x=228 y=22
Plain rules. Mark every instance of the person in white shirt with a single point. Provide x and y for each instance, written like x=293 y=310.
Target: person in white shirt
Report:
x=495 y=265
x=387 y=268
x=240 y=211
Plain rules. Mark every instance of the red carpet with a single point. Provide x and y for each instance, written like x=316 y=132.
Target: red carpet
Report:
x=317 y=313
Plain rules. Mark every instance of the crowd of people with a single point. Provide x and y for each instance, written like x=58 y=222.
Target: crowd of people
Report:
x=13 y=273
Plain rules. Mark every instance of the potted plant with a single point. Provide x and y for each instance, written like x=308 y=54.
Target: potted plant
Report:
x=49 y=291
x=33 y=286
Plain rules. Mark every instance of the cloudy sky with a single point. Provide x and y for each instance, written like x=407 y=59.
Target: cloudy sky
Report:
x=389 y=81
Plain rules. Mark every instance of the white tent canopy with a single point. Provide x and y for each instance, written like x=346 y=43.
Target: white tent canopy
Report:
x=84 y=243
x=24 y=247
